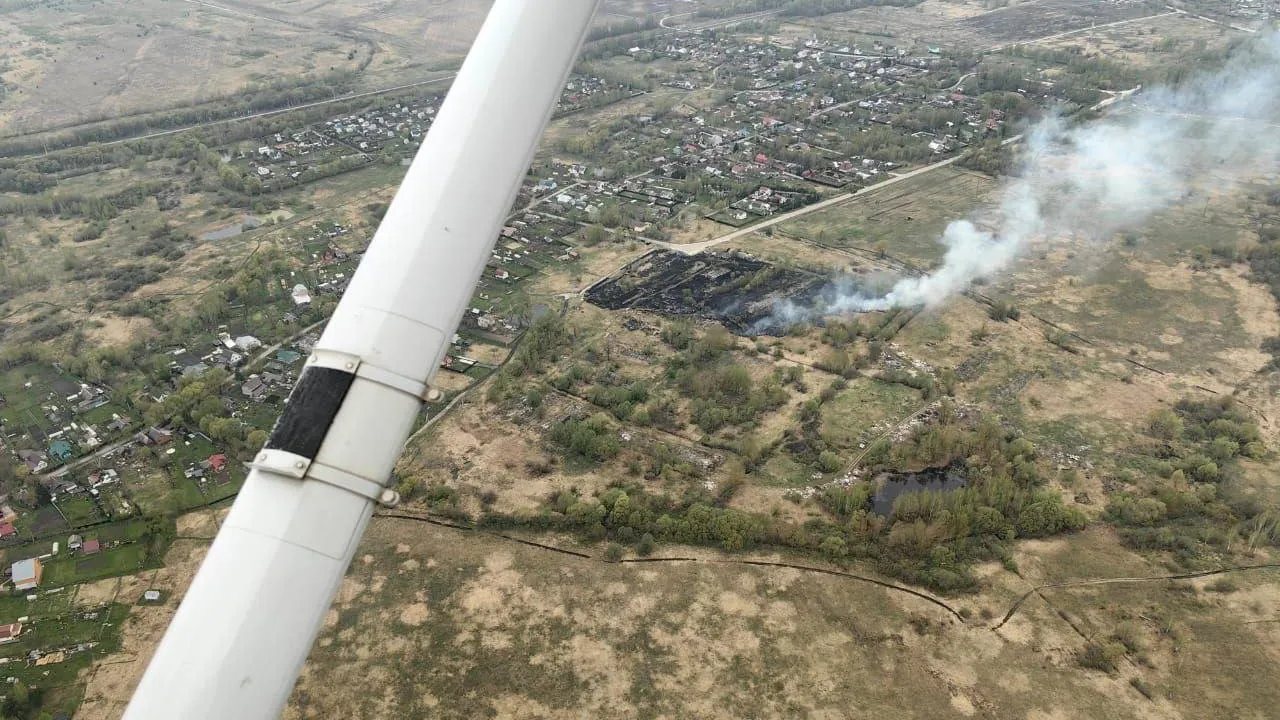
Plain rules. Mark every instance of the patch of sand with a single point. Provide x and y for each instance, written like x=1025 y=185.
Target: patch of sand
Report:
x=491 y=354
x=117 y=331
x=1254 y=303
x=110 y=681
x=963 y=705
x=414 y=614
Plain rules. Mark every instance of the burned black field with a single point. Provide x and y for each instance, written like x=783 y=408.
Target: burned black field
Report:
x=738 y=291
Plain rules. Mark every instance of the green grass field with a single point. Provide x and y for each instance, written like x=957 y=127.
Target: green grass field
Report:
x=103 y=415
x=849 y=417
x=215 y=491
x=131 y=530
x=187 y=494
x=21 y=399
x=79 y=510
x=904 y=220
x=14 y=606
x=73 y=568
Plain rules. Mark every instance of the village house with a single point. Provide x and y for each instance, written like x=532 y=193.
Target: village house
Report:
x=26 y=574
x=217 y=462
x=154 y=436
x=60 y=450
x=255 y=388
x=59 y=486
x=107 y=476
x=35 y=461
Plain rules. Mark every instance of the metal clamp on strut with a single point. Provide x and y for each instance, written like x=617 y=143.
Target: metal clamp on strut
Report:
x=335 y=360
x=297 y=467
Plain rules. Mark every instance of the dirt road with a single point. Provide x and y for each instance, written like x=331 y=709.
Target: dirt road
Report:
x=697 y=247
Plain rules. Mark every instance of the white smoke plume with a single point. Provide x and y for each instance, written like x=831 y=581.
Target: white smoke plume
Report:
x=1101 y=177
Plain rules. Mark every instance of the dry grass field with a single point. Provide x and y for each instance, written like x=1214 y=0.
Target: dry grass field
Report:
x=465 y=625
x=74 y=62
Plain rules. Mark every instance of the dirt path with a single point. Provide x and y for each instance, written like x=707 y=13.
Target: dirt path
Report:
x=1113 y=581
x=853 y=464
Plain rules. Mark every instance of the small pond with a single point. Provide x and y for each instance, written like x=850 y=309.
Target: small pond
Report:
x=888 y=486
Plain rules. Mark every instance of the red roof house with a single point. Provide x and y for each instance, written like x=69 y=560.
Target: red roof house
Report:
x=7 y=530
x=217 y=462
x=90 y=547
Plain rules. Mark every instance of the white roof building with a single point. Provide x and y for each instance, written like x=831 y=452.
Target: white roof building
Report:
x=248 y=342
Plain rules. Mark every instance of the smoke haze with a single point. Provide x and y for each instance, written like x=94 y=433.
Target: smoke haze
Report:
x=1098 y=178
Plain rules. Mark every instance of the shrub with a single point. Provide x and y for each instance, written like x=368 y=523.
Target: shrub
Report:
x=540 y=342
x=1222 y=585
x=1002 y=310
x=441 y=497
x=613 y=553
x=645 y=547
x=837 y=361
x=829 y=461
x=1146 y=512
x=1047 y=516
x=1062 y=339
x=591 y=438
x=1128 y=635
x=1100 y=657
x=1165 y=425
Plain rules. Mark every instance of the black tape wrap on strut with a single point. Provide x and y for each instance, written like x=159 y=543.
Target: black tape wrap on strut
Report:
x=310 y=411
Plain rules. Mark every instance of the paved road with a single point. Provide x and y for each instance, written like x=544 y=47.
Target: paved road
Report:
x=104 y=450
x=267 y=351
x=697 y=247
x=824 y=111
x=716 y=23
x=538 y=201
x=833 y=108
x=268 y=113
x=240 y=13
x=107 y=449
x=663 y=21
x=1209 y=19
x=957 y=84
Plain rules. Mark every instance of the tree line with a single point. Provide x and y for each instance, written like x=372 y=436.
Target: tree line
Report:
x=929 y=538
